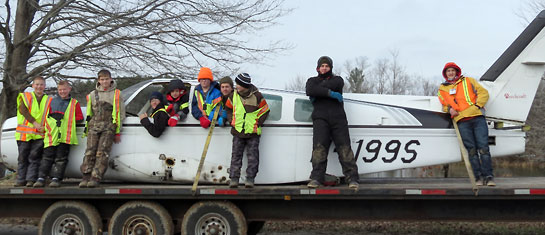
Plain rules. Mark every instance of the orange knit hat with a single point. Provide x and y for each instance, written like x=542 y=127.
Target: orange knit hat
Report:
x=205 y=73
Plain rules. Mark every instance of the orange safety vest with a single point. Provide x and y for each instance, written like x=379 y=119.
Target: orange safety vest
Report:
x=459 y=96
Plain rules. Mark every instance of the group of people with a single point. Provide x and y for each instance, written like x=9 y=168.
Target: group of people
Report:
x=46 y=127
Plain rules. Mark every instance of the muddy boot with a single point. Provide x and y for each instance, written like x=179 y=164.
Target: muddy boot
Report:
x=19 y=184
x=39 y=183
x=93 y=183
x=233 y=183
x=490 y=181
x=313 y=184
x=84 y=181
x=249 y=183
x=29 y=184
x=353 y=185
x=55 y=183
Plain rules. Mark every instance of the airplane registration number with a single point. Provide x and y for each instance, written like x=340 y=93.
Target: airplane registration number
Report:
x=393 y=147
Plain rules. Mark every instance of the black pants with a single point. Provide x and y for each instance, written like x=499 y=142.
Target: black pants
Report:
x=325 y=131
x=28 y=162
x=54 y=161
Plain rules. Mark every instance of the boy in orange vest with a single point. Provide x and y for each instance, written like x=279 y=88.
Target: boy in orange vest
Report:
x=463 y=98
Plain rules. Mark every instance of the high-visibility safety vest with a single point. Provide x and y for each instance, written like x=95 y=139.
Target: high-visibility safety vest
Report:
x=25 y=130
x=245 y=122
x=158 y=110
x=66 y=133
x=116 y=115
x=462 y=96
x=209 y=107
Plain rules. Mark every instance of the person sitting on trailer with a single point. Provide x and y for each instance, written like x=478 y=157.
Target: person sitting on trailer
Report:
x=157 y=122
x=177 y=102
x=205 y=99
x=329 y=123
x=226 y=88
x=60 y=133
x=464 y=98
x=248 y=110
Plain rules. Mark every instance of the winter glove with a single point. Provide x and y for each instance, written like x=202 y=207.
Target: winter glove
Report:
x=205 y=123
x=173 y=120
x=336 y=95
x=169 y=108
x=221 y=121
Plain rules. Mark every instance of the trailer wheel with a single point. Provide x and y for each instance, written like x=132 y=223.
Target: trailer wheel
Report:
x=255 y=226
x=212 y=217
x=141 y=217
x=70 y=217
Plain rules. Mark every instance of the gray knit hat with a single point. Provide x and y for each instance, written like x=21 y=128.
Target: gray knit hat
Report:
x=244 y=80
x=325 y=60
x=227 y=80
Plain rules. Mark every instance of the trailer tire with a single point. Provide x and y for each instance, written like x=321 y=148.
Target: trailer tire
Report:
x=135 y=217
x=221 y=216
x=65 y=216
x=255 y=226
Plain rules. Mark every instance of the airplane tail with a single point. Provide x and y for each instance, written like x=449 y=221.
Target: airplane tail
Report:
x=513 y=79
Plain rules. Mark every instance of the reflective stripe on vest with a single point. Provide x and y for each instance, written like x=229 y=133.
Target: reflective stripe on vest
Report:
x=66 y=133
x=209 y=107
x=245 y=122
x=116 y=115
x=465 y=95
x=25 y=130
x=158 y=110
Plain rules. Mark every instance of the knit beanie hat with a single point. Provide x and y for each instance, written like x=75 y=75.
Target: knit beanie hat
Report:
x=175 y=84
x=325 y=60
x=244 y=80
x=227 y=80
x=454 y=66
x=156 y=95
x=205 y=73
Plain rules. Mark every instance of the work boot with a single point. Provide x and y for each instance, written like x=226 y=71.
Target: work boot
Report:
x=490 y=181
x=249 y=183
x=479 y=182
x=39 y=183
x=29 y=184
x=83 y=183
x=353 y=185
x=93 y=183
x=19 y=184
x=55 y=183
x=313 y=184
x=233 y=183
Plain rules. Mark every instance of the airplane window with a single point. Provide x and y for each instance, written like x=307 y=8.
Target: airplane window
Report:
x=303 y=110
x=140 y=103
x=275 y=106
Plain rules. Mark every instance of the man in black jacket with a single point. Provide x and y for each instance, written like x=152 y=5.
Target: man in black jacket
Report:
x=158 y=120
x=329 y=123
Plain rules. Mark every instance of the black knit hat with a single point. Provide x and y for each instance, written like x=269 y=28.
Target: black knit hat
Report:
x=244 y=80
x=156 y=95
x=175 y=84
x=325 y=60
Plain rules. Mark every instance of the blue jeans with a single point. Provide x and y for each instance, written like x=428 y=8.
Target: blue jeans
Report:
x=474 y=133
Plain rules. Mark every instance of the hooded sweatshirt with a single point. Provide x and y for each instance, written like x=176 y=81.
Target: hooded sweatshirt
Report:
x=157 y=121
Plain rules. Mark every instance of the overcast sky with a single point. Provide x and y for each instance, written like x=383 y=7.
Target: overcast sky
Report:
x=426 y=33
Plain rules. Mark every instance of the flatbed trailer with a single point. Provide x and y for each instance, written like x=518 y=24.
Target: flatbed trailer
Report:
x=217 y=209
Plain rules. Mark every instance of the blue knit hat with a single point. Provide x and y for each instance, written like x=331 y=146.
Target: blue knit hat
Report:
x=156 y=95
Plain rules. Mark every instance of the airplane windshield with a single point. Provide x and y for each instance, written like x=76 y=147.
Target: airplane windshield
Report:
x=127 y=92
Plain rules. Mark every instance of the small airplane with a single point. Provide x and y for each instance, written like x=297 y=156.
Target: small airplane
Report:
x=388 y=132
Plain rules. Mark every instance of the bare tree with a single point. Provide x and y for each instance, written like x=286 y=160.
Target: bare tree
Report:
x=380 y=76
x=529 y=9
x=423 y=86
x=297 y=84
x=67 y=38
x=398 y=78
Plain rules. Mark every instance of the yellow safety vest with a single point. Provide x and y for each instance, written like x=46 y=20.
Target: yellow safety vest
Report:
x=158 y=110
x=209 y=107
x=116 y=115
x=246 y=122
x=66 y=133
x=25 y=130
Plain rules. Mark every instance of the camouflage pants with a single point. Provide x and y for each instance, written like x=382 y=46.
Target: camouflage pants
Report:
x=95 y=162
x=28 y=162
x=252 y=146
x=54 y=161
x=324 y=133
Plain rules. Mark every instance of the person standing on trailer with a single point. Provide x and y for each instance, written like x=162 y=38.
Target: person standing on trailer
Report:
x=157 y=122
x=29 y=134
x=105 y=114
x=205 y=99
x=464 y=98
x=226 y=88
x=248 y=110
x=329 y=124
x=60 y=133
x=177 y=102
